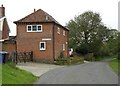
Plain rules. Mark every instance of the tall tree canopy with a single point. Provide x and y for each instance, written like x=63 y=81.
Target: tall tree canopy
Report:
x=87 y=32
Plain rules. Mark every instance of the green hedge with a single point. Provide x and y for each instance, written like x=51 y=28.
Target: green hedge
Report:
x=69 y=61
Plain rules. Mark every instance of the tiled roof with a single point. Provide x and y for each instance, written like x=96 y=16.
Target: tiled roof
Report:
x=37 y=16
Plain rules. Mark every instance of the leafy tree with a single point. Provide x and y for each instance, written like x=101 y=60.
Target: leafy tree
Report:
x=87 y=32
x=118 y=45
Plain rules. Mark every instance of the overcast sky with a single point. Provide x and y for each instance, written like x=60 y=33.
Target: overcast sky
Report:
x=61 y=10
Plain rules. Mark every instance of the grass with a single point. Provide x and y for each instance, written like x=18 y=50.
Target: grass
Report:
x=0 y=74
x=13 y=75
x=104 y=58
x=115 y=65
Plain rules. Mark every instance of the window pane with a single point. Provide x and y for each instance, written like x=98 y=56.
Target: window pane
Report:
x=39 y=28
x=63 y=32
x=63 y=47
x=42 y=45
x=58 y=30
x=29 y=28
x=34 y=28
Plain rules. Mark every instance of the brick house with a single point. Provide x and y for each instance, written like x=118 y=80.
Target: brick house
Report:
x=41 y=33
x=7 y=43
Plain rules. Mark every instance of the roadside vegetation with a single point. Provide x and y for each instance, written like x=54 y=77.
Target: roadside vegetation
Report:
x=91 y=38
x=13 y=75
x=0 y=74
x=115 y=65
x=61 y=60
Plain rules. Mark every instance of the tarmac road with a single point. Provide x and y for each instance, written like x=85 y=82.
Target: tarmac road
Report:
x=88 y=73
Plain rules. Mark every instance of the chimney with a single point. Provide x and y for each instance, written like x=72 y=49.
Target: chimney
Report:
x=2 y=11
x=34 y=10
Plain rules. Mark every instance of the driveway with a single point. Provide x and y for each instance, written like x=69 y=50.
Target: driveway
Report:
x=88 y=73
x=37 y=69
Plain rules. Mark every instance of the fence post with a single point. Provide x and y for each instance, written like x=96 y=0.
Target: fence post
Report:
x=16 y=57
x=31 y=56
x=24 y=56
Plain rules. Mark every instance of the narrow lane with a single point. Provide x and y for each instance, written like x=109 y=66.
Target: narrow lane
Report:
x=88 y=73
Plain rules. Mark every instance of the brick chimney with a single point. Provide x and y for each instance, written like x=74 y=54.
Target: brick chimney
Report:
x=2 y=11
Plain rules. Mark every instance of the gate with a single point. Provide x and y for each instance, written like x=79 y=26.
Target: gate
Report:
x=20 y=57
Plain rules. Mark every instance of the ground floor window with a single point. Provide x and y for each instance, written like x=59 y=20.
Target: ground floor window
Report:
x=42 y=45
x=63 y=47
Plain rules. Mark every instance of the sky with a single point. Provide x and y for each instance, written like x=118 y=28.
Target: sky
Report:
x=62 y=10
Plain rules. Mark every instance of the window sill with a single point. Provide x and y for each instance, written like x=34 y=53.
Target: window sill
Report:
x=43 y=49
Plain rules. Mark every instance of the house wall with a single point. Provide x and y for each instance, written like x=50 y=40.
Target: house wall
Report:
x=9 y=47
x=5 y=30
x=29 y=41
x=60 y=39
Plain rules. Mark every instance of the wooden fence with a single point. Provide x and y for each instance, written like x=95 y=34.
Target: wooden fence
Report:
x=20 y=57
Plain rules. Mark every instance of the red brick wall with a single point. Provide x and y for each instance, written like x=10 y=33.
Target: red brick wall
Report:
x=60 y=39
x=9 y=47
x=29 y=41
x=5 y=31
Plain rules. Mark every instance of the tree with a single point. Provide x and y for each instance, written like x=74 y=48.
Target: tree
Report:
x=87 y=32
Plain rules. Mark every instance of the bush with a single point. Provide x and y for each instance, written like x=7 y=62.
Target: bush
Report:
x=69 y=61
x=89 y=57
x=61 y=61
x=83 y=49
x=61 y=54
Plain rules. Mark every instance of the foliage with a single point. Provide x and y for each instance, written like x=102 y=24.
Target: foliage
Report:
x=87 y=32
x=89 y=35
x=83 y=49
x=13 y=75
x=115 y=65
x=0 y=74
x=118 y=46
x=89 y=57
x=69 y=61
x=61 y=61
x=61 y=54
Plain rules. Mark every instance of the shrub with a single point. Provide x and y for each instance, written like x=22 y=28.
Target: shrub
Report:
x=61 y=54
x=89 y=57
x=83 y=49
x=61 y=61
x=69 y=61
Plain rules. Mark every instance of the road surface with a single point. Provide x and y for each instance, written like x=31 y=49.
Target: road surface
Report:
x=88 y=73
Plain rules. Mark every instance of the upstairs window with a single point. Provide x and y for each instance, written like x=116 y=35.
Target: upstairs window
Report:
x=34 y=28
x=63 y=32
x=29 y=28
x=58 y=30
x=42 y=45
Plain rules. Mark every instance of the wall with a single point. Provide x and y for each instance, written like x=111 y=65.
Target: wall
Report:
x=9 y=47
x=29 y=41
x=5 y=30
x=60 y=39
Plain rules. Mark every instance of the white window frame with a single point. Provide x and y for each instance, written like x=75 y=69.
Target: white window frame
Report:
x=63 y=32
x=58 y=30
x=63 y=47
x=44 y=46
x=27 y=28
x=32 y=28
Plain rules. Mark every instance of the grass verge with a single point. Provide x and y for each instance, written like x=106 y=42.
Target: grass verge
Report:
x=115 y=65
x=13 y=75
x=104 y=58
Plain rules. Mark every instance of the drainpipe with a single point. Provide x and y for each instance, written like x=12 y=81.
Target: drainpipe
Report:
x=53 y=42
